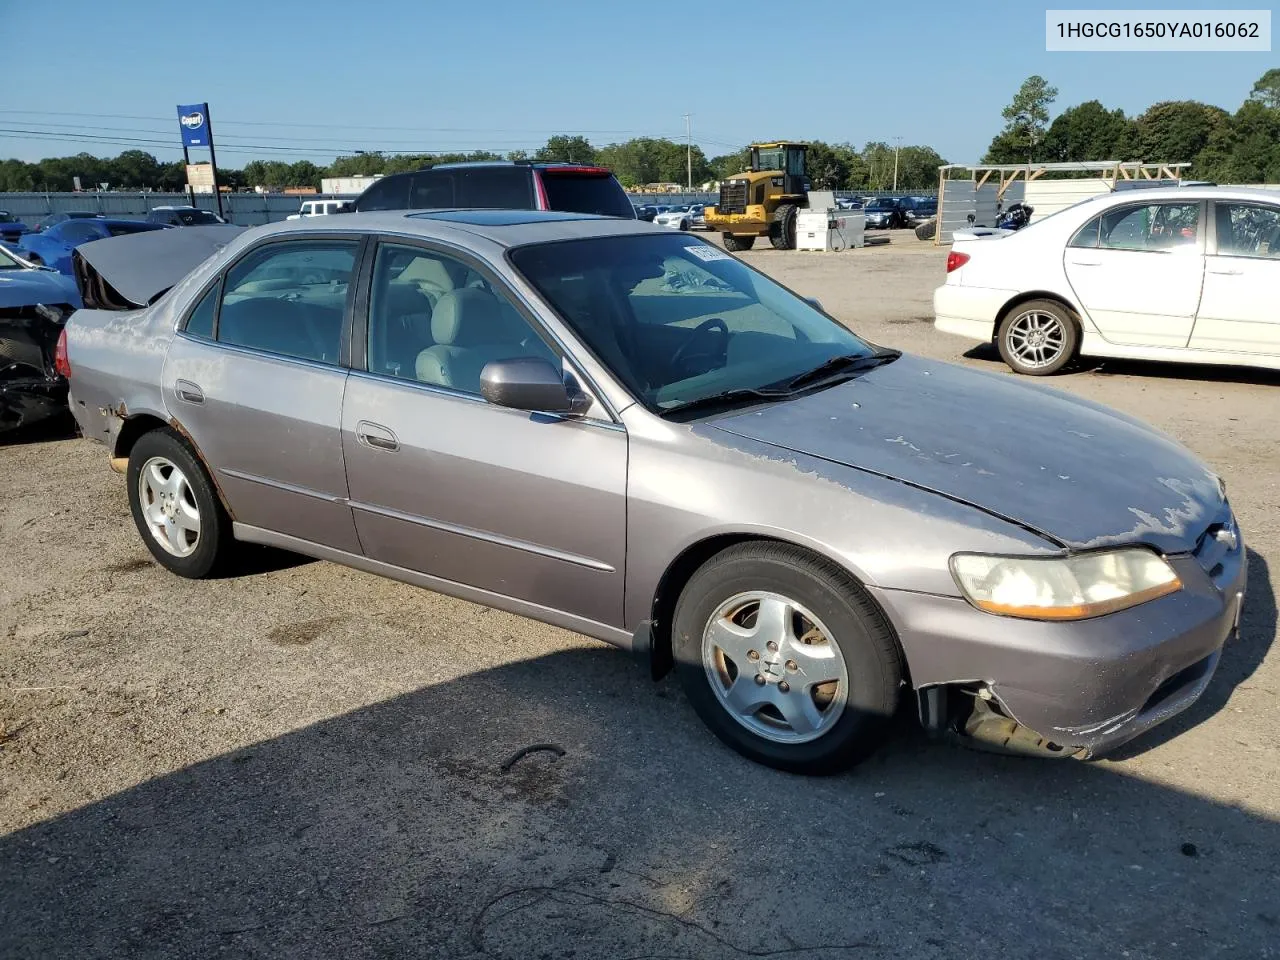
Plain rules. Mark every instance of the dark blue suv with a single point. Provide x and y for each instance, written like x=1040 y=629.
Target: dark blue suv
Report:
x=508 y=185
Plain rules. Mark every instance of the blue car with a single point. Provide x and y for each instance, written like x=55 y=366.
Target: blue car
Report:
x=52 y=247
x=34 y=304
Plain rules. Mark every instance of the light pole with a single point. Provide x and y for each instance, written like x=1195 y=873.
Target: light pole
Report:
x=688 y=150
x=897 y=145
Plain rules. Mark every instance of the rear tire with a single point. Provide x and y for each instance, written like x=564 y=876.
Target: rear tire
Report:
x=816 y=689
x=927 y=230
x=175 y=507
x=1038 y=338
x=734 y=244
x=782 y=234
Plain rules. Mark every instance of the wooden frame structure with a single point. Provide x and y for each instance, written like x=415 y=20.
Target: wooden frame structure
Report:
x=1008 y=173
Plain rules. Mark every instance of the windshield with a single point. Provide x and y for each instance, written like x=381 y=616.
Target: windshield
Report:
x=678 y=320
x=769 y=159
x=6 y=217
x=7 y=262
x=881 y=204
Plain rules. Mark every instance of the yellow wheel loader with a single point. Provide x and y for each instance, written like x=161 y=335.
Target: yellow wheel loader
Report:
x=763 y=201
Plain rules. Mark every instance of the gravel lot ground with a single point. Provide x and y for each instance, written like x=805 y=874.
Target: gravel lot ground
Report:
x=305 y=761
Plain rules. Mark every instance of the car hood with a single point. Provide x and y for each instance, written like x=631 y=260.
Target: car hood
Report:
x=1071 y=470
x=127 y=272
x=25 y=288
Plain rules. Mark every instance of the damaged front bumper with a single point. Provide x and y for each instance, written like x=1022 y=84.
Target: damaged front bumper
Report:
x=1080 y=688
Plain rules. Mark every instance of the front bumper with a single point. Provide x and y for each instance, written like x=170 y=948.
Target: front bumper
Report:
x=1088 y=685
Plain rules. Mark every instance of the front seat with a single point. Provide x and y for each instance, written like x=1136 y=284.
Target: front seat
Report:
x=470 y=328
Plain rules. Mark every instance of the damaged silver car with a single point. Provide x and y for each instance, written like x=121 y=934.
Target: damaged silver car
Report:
x=629 y=433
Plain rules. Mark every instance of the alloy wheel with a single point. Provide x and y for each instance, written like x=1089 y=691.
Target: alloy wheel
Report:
x=774 y=667
x=1036 y=339
x=169 y=506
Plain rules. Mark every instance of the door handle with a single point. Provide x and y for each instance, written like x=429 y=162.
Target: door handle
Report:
x=188 y=391
x=1085 y=263
x=376 y=435
x=1222 y=272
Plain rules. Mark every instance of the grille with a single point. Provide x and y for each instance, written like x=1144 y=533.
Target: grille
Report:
x=733 y=197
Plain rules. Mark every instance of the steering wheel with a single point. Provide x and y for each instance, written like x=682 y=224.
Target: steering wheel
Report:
x=700 y=332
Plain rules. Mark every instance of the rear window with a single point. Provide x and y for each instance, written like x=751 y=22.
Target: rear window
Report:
x=499 y=188
x=575 y=192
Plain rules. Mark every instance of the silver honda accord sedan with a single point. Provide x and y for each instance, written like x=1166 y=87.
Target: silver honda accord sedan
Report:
x=629 y=433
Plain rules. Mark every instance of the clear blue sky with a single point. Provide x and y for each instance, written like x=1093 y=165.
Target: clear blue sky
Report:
x=311 y=78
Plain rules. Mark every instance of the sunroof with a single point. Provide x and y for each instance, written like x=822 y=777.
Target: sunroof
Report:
x=502 y=218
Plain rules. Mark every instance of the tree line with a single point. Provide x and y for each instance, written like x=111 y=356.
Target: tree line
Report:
x=636 y=162
x=1243 y=147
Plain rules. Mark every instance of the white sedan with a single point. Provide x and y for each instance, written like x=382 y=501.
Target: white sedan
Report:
x=680 y=218
x=1187 y=274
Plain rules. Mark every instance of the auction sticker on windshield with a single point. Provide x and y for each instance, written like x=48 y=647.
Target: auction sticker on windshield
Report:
x=707 y=253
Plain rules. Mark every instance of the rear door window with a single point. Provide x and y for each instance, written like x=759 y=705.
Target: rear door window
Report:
x=1156 y=226
x=389 y=193
x=504 y=188
x=289 y=299
x=573 y=192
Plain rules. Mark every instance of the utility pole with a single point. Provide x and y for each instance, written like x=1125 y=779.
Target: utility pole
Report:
x=688 y=150
x=897 y=145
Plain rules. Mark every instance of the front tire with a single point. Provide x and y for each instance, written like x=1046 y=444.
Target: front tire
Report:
x=786 y=658
x=783 y=234
x=1038 y=338
x=177 y=512
x=734 y=244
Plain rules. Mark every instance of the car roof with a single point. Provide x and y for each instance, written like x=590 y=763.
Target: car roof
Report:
x=1198 y=193
x=507 y=228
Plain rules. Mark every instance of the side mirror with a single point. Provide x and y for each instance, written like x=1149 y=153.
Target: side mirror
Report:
x=814 y=302
x=531 y=383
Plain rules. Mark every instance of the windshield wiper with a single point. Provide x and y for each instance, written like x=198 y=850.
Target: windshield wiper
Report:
x=844 y=363
x=728 y=398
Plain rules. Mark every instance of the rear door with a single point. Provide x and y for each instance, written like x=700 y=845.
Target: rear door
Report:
x=1137 y=270
x=1239 y=309
x=256 y=376
x=520 y=504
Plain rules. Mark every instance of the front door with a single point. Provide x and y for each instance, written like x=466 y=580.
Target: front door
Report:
x=254 y=377
x=523 y=505
x=1137 y=271
x=1239 y=310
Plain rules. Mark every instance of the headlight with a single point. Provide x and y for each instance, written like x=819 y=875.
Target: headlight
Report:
x=1063 y=588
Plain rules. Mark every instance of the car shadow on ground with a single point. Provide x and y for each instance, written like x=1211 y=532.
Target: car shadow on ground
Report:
x=419 y=826
x=1240 y=659
x=1107 y=366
